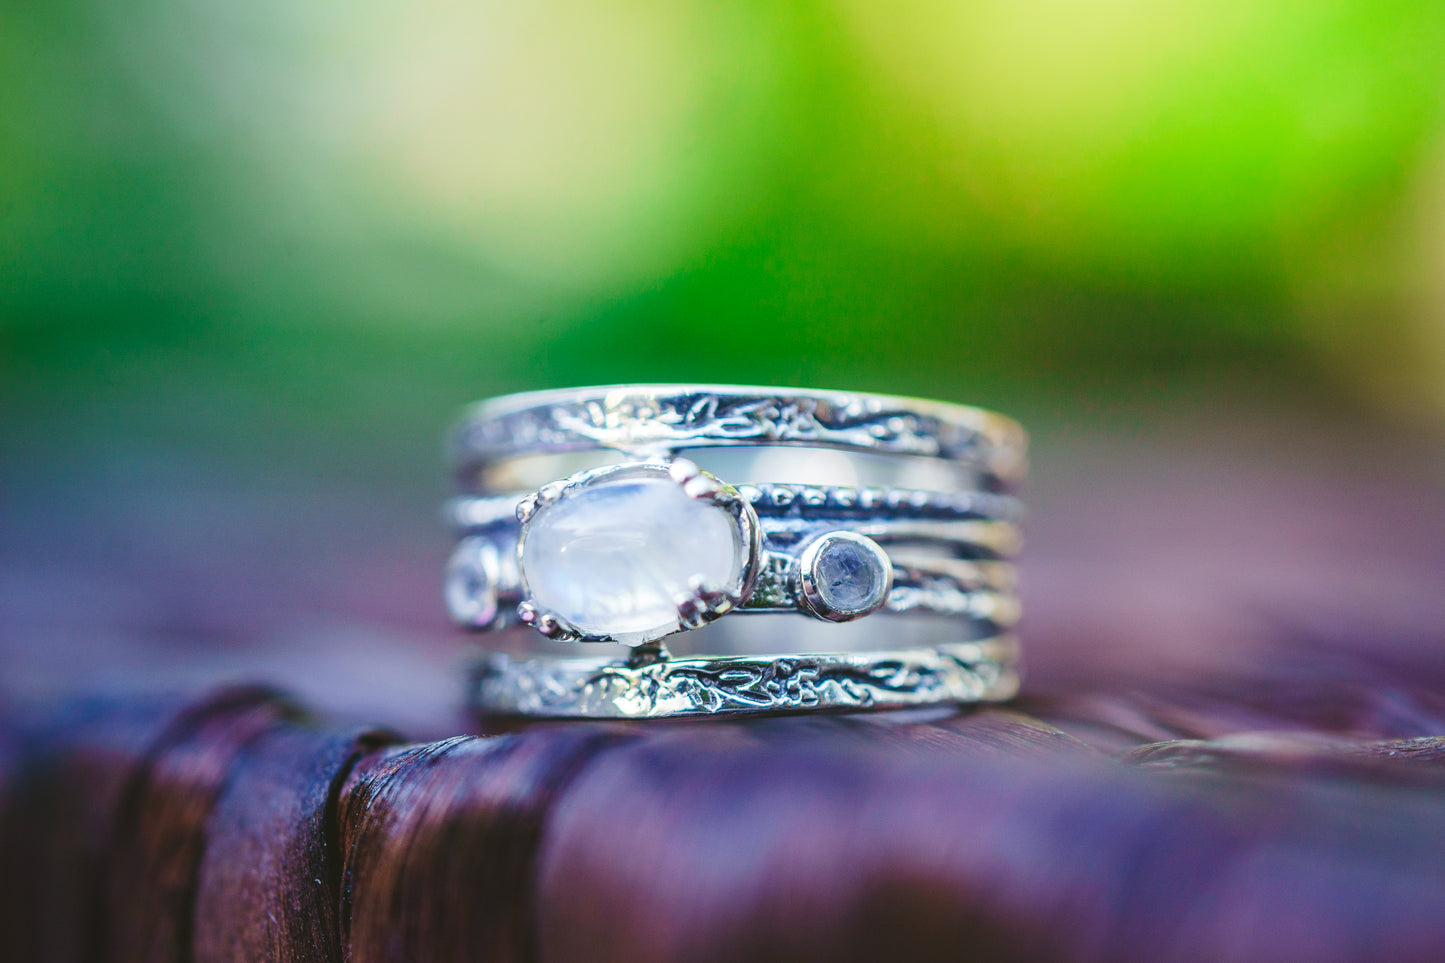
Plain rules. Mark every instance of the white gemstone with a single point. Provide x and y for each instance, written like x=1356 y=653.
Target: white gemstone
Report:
x=614 y=557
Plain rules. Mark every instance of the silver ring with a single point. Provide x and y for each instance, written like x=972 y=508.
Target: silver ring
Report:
x=649 y=545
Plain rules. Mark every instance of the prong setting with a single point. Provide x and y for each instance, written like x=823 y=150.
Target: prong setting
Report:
x=700 y=599
x=683 y=471
x=703 y=605
x=544 y=622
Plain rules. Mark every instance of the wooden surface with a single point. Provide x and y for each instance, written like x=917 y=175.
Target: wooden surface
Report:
x=1229 y=748
x=231 y=828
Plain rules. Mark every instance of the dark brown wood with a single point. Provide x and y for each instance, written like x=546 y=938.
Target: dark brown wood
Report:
x=681 y=847
x=162 y=820
x=269 y=886
x=441 y=843
x=235 y=829
x=69 y=824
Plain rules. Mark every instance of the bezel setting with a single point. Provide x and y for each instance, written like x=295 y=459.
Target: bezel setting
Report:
x=471 y=583
x=813 y=596
x=700 y=603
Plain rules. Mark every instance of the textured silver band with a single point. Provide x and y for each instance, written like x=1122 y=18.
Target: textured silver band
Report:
x=964 y=672
x=656 y=422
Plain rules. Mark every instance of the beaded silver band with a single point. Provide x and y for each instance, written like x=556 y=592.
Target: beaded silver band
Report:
x=795 y=501
x=484 y=588
x=636 y=549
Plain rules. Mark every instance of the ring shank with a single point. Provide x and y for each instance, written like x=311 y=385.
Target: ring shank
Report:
x=659 y=421
x=798 y=465
x=959 y=672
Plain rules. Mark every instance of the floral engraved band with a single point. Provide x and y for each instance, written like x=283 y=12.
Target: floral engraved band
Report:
x=623 y=516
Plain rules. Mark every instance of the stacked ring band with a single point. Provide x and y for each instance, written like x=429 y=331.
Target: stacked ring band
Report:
x=627 y=515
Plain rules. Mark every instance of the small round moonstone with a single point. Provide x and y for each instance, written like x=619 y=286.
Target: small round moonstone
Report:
x=471 y=584
x=614 y=556
x=849 y=576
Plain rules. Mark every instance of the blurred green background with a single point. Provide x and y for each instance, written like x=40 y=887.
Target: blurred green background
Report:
x=311 y=230
x=254 y=256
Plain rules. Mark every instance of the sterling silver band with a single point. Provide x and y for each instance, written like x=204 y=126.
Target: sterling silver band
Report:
x=982 y=671
x=771 y=500
x=648 y=422
x=641 y=543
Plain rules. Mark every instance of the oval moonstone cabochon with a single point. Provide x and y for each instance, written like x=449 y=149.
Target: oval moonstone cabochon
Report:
x=613 y=556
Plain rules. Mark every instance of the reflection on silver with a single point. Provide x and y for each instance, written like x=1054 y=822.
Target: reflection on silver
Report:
x=985 y=671
x=929 y=535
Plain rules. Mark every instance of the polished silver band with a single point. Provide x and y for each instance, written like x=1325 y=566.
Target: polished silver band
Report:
x=853 y=504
